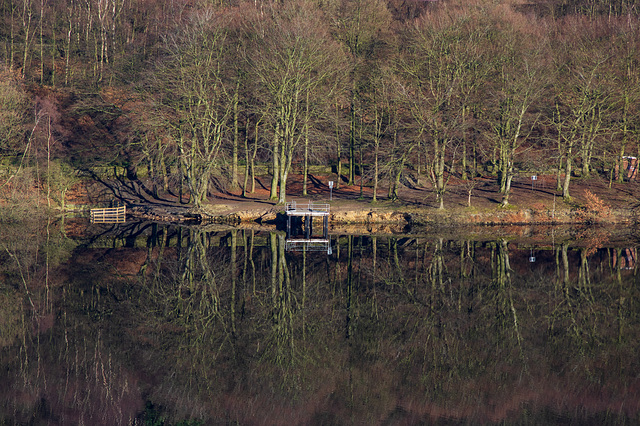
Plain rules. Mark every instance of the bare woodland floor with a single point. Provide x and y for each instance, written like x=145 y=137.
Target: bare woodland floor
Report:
x=593 y=200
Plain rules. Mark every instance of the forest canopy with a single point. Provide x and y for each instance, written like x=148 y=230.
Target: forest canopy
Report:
x=197 y=93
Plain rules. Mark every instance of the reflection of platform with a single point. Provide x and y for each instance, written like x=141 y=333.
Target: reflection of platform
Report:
x=625 y=258
x=311 y=209
x=312 y=244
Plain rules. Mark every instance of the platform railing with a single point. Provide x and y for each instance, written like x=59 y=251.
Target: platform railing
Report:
x=308 y=244
x=310 y=207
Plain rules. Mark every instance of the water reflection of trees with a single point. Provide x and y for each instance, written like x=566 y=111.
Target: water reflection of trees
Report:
x=213 y=322
x=54 y=367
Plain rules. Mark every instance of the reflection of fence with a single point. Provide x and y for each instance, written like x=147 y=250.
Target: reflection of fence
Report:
x=109 y=215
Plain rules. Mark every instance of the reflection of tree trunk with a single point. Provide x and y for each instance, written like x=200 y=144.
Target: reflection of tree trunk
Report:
x=245 y=262
x=374 y=242
x=618 y=264
x=503 y=269
x=234 y=269
x=467 y=263
x=348 y=325
x=462 y=268
x=558 y=270
x=436 y=269
x=281 y=299
x=285 y=290
x=417 y=267
x=253 y=265
x=584 y=280
x=304 y=292
x=565 y=265
x=396 y=261
x=622 y=311
x=196 y=297
x=273 y=241
x=503 y=281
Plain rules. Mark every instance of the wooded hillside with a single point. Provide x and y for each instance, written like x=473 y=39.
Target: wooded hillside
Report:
x=191 y=93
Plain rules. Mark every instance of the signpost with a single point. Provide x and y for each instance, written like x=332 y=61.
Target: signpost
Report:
x=533 y=179
x=330 y=190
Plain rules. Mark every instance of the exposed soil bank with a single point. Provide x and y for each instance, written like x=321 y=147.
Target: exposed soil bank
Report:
x=274 y=215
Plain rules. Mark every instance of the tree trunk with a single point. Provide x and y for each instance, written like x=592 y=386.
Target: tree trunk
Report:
x=439 y=172
x=246 y=160
x=253 y=159
x=463 y=165
x=352 y=142
x=338 y=150
x=273 y=195
x=567 y=179
x=625 y=136
x=305 y=167
x=375 y=170
x=285 y=165
x=26 y=25
x=558 y=179
x=234 y=154
x=361 y=174
x=507 y=188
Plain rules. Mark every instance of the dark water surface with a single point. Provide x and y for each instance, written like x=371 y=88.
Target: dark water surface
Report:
x=154 y=324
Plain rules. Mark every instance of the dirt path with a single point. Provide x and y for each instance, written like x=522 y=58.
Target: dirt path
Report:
x=415 y=198
x=526 y=194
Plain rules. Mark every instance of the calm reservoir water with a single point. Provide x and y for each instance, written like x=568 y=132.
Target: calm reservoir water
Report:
x=151 y=324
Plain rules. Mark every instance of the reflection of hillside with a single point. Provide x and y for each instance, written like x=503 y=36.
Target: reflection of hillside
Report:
x=228 y=327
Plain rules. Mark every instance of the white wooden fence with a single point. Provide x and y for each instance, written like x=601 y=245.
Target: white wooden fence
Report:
x=109 y=215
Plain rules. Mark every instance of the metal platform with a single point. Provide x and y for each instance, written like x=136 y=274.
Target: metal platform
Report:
x=310 y=209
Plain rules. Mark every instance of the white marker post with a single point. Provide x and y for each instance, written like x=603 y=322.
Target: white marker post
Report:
x=533 y=179
x=330 y=190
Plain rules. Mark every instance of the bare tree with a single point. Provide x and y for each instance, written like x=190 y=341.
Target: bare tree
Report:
x=293 y=57
x=625 y=81
x=362 y=26
x=436 y=74
x=196 y=98
x=518 y=87
x=582 y=100
x=381 y=115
